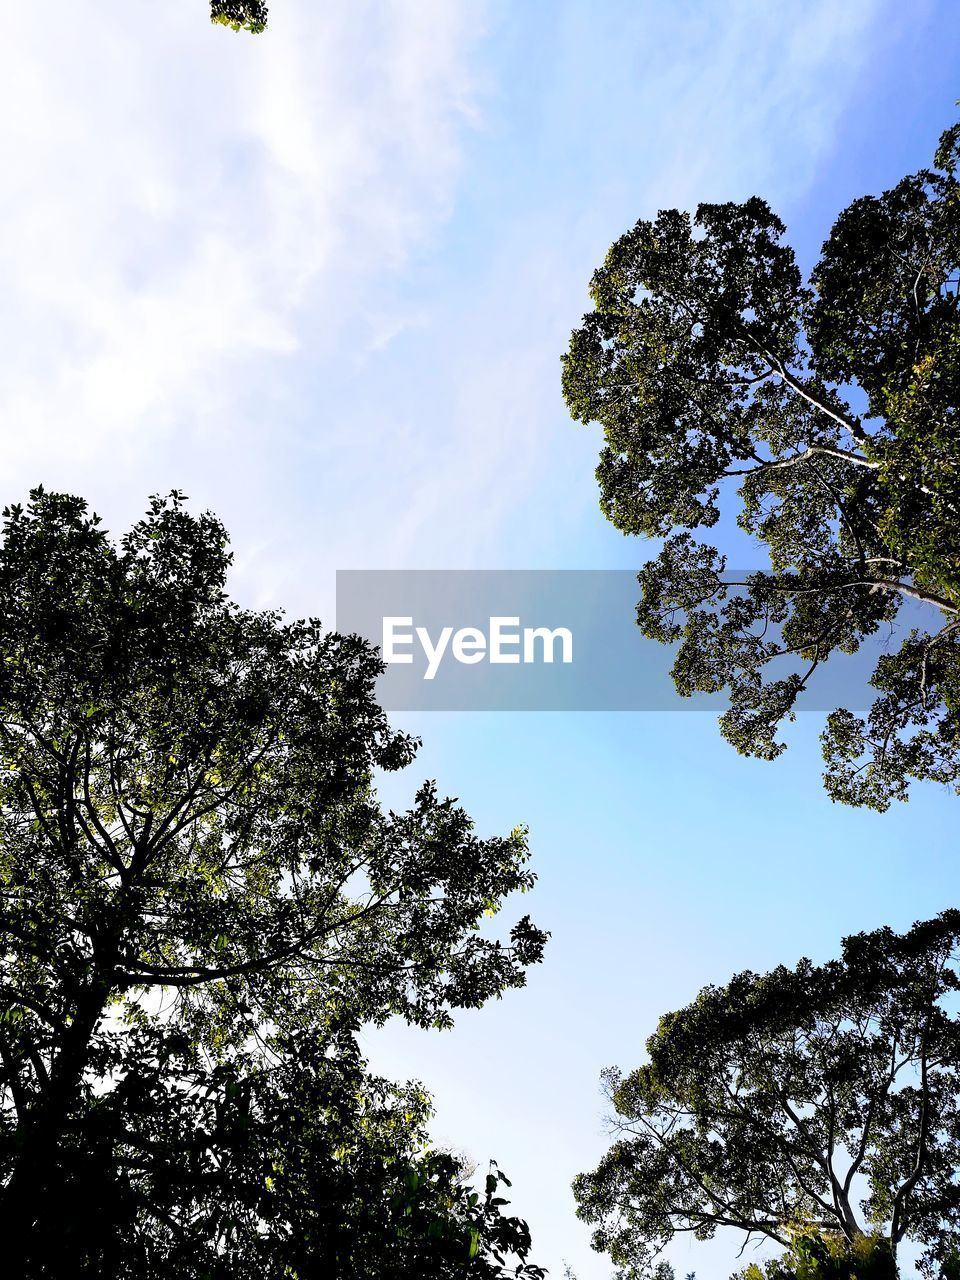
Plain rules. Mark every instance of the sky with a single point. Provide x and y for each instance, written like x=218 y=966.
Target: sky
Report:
x=320 y=280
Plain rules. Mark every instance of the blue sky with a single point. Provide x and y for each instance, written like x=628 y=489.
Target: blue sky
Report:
x=321 y=281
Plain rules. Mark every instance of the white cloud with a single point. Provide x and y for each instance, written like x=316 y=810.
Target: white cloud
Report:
x=221 y=267
x=175 y=196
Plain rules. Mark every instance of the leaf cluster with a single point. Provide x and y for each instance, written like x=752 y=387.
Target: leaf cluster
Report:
x=240 y=15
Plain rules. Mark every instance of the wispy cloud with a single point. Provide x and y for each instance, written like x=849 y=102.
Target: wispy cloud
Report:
x=600 y=115
x=181 y=204
x=221 y=263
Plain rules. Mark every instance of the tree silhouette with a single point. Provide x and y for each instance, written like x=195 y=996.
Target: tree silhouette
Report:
x=201 y=902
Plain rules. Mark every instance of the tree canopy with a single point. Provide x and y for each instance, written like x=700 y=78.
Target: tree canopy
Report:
x=814 y=1107
x=201 y=902
x=240 y=15
x=825 y=416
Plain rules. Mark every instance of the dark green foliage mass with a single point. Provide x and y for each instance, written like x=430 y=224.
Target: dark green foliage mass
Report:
x=828 y=1256
x=825 y=416
x=201 y=903
x=817 y=1108
x=241 y=15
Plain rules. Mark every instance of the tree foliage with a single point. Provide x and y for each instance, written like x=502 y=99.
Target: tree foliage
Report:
x=825 y=414
x=201 y=902
x=815 y=1104
x=240 y=15
x=828 y=1256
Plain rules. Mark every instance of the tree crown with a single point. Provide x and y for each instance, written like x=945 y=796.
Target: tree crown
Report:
x=817 y=1102
x=710 y=364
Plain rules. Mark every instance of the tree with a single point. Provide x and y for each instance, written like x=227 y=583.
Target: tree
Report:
x=710 y=365
x=240 y=15
x=201 y=902
x=815 y=1107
